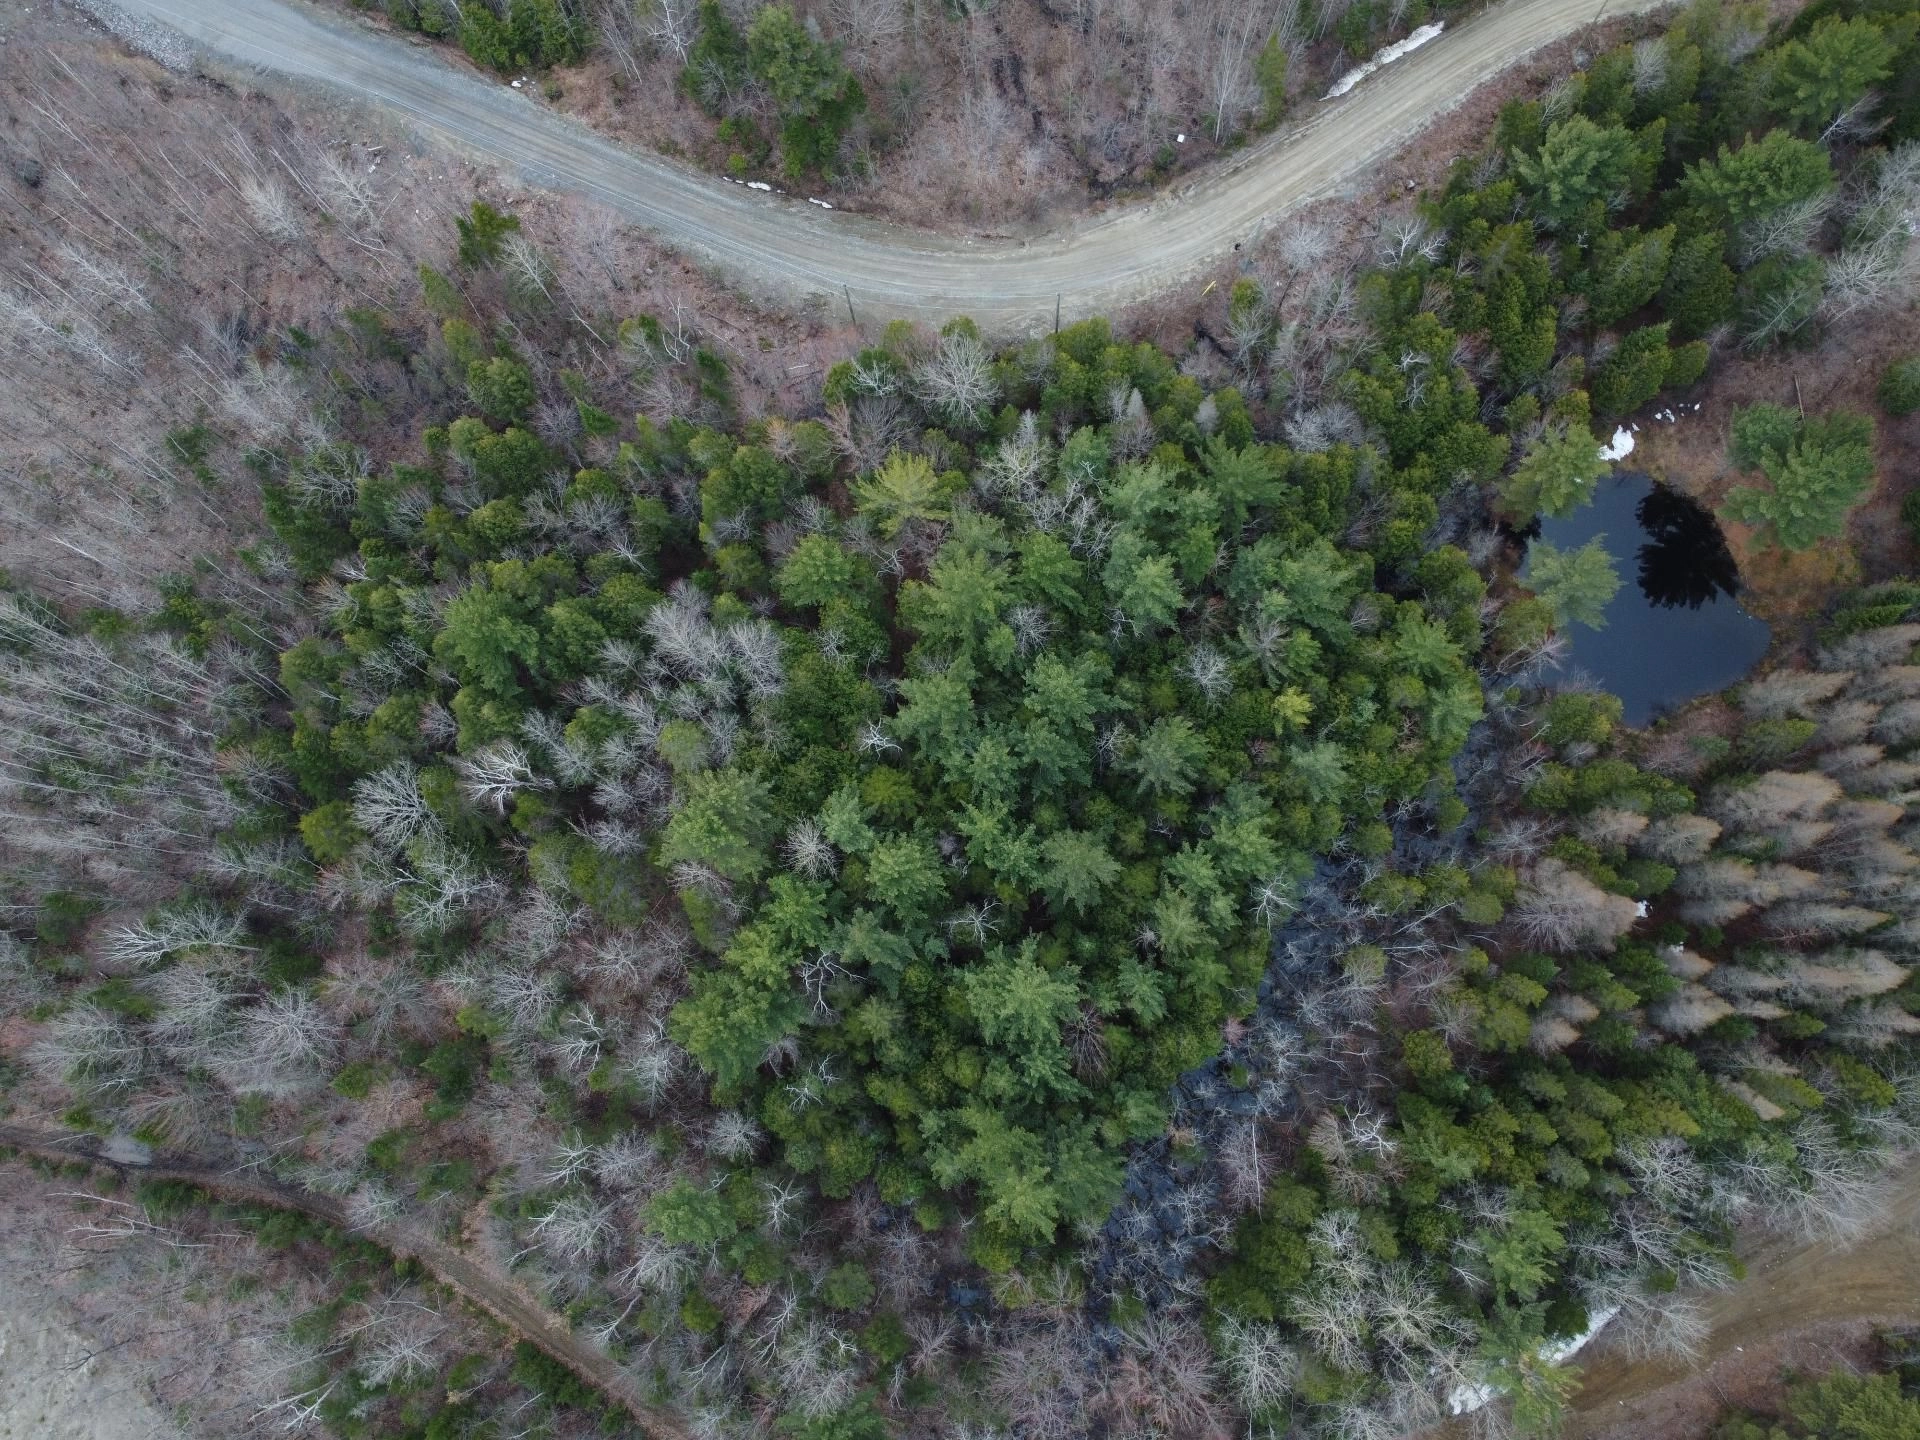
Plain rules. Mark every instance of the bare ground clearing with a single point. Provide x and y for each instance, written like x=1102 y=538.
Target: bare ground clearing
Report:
x=1840 y=372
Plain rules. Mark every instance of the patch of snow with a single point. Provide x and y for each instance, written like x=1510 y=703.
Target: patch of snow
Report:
x=1562 y=1351
x=1463 y=1399
x=1387 y=56
x=1640 y=909
x=518 y=83
x=758 y=185
x=1619 y=447
x=1180 y=139
x=821 y=203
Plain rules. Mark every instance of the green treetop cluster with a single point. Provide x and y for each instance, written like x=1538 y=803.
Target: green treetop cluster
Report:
x=984 y=791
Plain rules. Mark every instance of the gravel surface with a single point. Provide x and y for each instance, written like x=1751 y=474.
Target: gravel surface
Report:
x=52 y=1384
x=142 y=33
x=783 y=247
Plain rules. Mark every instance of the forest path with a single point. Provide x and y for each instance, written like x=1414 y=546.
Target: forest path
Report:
x=793 y=250
x=505 y=1301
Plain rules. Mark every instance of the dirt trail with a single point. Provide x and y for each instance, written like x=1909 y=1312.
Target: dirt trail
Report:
x=498 y=1296
x=1790 y=1287
x=794 y=250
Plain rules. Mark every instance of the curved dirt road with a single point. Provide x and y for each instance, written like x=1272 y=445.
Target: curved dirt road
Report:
x=791 y=249
x=500 y=1298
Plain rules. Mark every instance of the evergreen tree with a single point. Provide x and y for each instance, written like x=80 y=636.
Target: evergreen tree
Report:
x=1555 y=477
x=1634 y=373
x=483 y=232
x=1270 y=74
x=1698 y=293
x=1760 y=176
x=817 y=96
x=1899 y=389
x=1626 y=269
x=1817 y=77
x=1817 y=470
x=1578 y=164
x=1578 y=584
x=905 y=489
x=717 y=63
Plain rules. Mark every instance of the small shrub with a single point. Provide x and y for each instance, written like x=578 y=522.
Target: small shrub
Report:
x=847 y=1287
x=1900 y=387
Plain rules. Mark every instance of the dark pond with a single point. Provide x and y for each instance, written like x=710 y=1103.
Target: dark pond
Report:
x=1677 y=633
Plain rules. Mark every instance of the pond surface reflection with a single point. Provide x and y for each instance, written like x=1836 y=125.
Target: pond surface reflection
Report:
x=1680 y=631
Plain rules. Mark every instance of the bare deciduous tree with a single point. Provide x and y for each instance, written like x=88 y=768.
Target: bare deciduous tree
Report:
x=1791 y=692
x=957 y=381
x=872 y=30
x=1560 y=908
x=282 y=1046
x=492 y=776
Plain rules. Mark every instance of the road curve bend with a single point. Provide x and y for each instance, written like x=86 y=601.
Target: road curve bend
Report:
x=782 y=246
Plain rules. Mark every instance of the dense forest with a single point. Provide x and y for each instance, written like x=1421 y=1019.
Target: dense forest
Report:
x=1061 y=890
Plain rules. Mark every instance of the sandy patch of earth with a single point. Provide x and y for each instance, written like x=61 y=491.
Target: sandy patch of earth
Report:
x=52 y=1387
x=53 y=1384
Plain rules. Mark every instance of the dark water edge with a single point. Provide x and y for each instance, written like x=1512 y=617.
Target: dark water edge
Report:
x=1676 y=629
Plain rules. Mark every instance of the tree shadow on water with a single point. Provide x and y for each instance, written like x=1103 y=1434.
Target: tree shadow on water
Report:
x=1685 y=560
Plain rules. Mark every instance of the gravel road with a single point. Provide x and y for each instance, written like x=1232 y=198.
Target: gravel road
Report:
x=786 y=249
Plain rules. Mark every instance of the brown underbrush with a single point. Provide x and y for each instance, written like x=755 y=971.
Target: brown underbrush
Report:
x=1838 y=372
